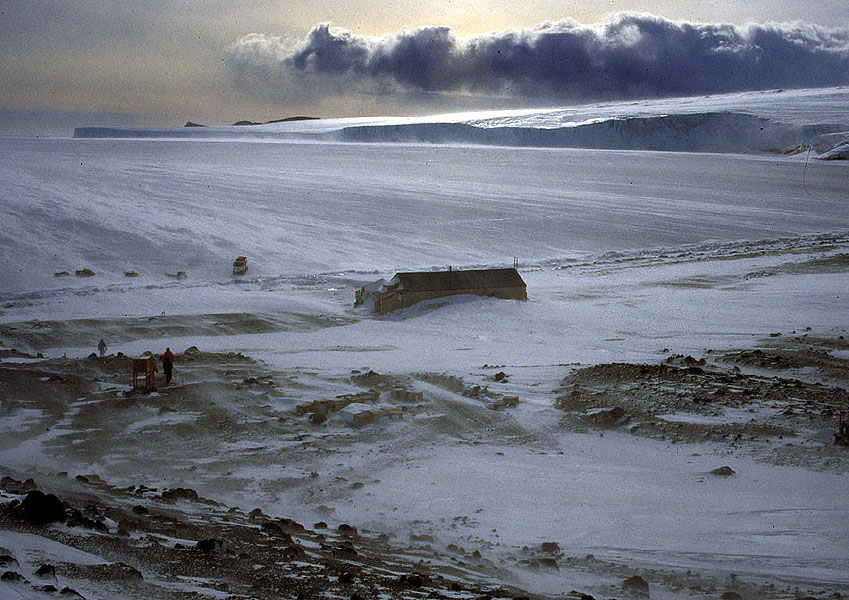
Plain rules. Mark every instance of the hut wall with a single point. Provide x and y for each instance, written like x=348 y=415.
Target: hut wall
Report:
x=409 y=298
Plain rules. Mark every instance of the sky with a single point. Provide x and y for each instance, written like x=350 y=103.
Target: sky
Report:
x=70 y=63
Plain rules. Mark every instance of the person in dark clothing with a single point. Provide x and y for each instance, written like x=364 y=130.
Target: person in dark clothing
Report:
x=167 y=364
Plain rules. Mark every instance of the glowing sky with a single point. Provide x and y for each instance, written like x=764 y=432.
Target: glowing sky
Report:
x=83 y=62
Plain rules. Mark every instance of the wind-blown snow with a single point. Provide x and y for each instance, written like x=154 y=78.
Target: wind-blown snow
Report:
x=625 y=253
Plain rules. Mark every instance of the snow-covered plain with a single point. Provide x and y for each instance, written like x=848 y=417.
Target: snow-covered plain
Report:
x=625 y=252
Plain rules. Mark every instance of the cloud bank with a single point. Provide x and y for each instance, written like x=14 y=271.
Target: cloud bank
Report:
x=626 y=56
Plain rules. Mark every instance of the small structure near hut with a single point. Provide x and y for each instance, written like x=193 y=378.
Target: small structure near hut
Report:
x=144 y=374
x=406 y=289
x=240 y=265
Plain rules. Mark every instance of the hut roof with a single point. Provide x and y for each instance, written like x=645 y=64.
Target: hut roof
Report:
x=460 y=280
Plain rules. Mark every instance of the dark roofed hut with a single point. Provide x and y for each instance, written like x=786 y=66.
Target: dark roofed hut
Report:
x=406 y=289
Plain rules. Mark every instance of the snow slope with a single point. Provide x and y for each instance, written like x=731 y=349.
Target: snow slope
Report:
x=625 y=252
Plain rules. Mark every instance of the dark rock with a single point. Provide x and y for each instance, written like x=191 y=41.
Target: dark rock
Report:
x=77 y=519
x=346 y=578
x=49 y=588
x=125 y=571
x=317 y=418
x=192 y=124
x=68 y=591
x=607 y=417
x=735 y=596
x=138 y=509
x=39 y=508
x=295 y=118
x=345 y=550
x=636 y=584
x=725 y=471
x=356 y=596
x=320 y=525
x=550 y=547
x=500 y=376
x=345 y=529
x=180 y=494
x=12 y=576
x=210 y=545
x=413 y=580
x=46 y=570
x=7 y=559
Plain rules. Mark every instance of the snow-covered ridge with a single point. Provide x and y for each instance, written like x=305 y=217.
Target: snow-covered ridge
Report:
x=753 y=122
x=705 y=132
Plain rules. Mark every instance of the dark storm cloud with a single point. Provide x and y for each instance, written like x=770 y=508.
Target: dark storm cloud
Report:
x=628 y=55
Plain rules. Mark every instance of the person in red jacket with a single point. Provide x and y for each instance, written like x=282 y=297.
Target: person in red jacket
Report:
x=167 y=364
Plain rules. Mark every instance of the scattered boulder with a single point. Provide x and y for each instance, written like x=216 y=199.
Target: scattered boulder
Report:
x=39 y=508
x=349 y=530
x=733 y=596
x=192 y=351
x=131 y=273
x=606 y=417
x=725 y=471
x=61 y=274
x=317 y=418
x=124 y=571
x=77 y=519
x=179 y=494
x=84 y=272
x=413 y=580
x=14 y=486
x=550 y=547
x=546 y=562
x=346 y=578
x=210 y=545
x=46 y=570
x=637 y=585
